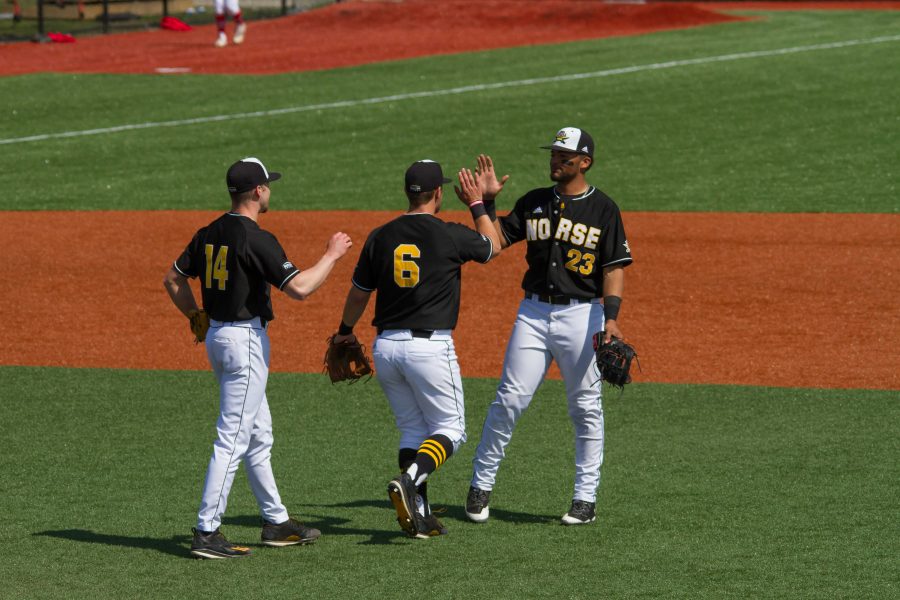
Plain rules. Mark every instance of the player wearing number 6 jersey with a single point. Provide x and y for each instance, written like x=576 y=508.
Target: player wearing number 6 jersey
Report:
x=236 y=263
x=414 y=263
x=576 y=253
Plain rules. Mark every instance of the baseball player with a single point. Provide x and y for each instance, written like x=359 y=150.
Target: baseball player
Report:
x=233 y=8
x=414 y=263
x=576 y=254
x=237 y=262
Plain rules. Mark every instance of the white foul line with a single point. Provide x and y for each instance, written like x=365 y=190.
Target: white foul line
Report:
x=457 y=90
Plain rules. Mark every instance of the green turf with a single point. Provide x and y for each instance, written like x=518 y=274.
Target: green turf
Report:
x=800 y=132
x=708 y=492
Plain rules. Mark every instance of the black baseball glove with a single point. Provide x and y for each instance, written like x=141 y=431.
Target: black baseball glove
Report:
x=613 y=359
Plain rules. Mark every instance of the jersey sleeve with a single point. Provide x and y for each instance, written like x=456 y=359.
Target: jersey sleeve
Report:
x=364 y=276
x=615 y=249
x=513 y=224
x=264 y=250
x=470 y=244
x=189 y=263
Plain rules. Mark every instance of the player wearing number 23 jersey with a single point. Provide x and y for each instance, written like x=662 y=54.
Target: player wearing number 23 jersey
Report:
x=414 y=264
x=576 y=251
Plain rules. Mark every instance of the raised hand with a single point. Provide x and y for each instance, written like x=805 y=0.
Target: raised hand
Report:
x=468 y=190
x=487 y=178
x=338 y=245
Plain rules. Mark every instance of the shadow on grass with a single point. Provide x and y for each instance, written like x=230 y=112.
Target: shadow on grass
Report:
x=453 y=512
x=177 y=545
x=328 y=525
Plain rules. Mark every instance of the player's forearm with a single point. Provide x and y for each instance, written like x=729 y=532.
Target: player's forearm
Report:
x=355 y=306
x=613 y=288
x=485 y=227
x=504 y=243
x=613 y=281
x=180 y=292
x=308 y=281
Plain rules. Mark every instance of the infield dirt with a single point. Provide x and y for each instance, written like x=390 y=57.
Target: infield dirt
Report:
x=805 y=300
x=353 y=33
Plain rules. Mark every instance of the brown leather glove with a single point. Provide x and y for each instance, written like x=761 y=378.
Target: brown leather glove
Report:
x=346 y=361
x=199 y=324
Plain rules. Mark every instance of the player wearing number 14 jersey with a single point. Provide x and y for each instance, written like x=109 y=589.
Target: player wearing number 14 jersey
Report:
x=237 y=262
x=414 y=264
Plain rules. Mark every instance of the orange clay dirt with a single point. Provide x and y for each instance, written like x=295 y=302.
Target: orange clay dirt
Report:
x=802 y=300
x=353 y=33
x=782 y=300
x=363 y=31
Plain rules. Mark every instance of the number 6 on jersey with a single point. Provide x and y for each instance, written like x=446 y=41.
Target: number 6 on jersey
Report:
x=406 y=272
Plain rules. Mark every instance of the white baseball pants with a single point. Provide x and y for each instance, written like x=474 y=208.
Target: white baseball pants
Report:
x=232 y=6
x=542 y=333
x=421 y=380
x=239 y=354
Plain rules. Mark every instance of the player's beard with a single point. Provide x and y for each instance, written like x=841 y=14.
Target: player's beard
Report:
x=560 y=176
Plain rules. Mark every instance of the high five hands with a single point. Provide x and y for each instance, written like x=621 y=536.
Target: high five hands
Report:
x=469 y=190
x=487 y=178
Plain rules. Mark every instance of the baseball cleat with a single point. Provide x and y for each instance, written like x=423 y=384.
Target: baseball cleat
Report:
x=430 y=526
x=221 y=40
x=239 y=33
x=212 y=544
x=402 y=492
x=288 y=533
x=477 y=505
x=581 y=513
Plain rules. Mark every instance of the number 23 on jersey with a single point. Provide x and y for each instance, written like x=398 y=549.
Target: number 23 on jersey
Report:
x=216 y=266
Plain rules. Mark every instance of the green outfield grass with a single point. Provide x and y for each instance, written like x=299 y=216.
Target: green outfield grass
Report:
x=707 y=492
x=810 y=131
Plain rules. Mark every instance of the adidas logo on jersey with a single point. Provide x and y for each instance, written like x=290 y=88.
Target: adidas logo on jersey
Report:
x=537 y=211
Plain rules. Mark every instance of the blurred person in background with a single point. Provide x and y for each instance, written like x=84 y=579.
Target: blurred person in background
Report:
x=233 y=8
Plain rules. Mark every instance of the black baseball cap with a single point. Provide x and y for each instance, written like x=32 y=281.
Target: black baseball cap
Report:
x=247 y=173
x=572 y=139
x=424 y=176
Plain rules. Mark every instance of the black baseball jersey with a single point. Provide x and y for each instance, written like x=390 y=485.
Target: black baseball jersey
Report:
x=570 y=240
x=236 y=262
x=414 y=262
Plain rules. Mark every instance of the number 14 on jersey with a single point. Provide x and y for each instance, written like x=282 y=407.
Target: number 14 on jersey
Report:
x=216 y=268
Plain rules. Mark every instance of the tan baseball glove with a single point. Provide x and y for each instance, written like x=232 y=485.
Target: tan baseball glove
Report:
x=199 y=324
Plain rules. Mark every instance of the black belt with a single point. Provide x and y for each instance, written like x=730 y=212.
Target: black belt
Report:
x=559 y=300
x=416 y=333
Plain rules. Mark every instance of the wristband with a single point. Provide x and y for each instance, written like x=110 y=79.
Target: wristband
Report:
x=345 y=329
x=477 y=209
x=491 y=209
x=611 y=306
